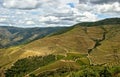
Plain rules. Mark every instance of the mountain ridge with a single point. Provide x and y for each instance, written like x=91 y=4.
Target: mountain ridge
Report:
x=11 y=36
x=107 y=21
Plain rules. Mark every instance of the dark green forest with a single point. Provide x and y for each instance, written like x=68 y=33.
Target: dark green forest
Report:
x=26 y=65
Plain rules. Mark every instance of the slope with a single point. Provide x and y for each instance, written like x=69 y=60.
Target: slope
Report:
x=95 y=41
x=11 y=36
x=99 y=42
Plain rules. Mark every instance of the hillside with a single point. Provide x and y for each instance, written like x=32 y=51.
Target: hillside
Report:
x=94 y=47
x=11 y=36
x=101 y=41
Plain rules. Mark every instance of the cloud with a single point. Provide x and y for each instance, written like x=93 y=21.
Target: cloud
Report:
x=33 y=4
x=3 y=19
x=56 y=12
x=98 y=1
x=30 y=22
x=56 y=20
x=49 y=18
x=100 y=9
x=89 y=17
x=21 y=4
x=103 y=1
x=109 y=8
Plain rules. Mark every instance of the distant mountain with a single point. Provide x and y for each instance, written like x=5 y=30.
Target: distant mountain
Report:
x=91 y=50
x=11 y=36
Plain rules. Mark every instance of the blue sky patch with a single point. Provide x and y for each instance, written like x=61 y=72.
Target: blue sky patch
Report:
x=72 y=5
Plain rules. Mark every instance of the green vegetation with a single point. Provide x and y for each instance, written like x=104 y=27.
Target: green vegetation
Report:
x=60 y=72
x=109 y=21
x=67 y=29
x=74 y=56
x=84 y=71
x=26 y=65
x=97 y=71
x=12 y=36
x=56 y=65
x=81 y=59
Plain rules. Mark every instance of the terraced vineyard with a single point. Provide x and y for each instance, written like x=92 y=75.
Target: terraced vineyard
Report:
x=83 y=50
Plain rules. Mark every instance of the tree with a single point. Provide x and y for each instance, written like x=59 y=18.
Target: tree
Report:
x=32 y=75
x=105 y=73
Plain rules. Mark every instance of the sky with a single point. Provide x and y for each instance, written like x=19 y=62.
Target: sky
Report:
x=50 y=13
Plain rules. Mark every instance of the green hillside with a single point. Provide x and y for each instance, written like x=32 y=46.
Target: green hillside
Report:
x=12 y=36
x=83 y=50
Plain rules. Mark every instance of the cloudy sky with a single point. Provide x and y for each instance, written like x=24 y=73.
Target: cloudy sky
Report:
x=44 y=13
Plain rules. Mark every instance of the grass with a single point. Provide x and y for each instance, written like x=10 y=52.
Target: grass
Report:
x=68 y=61
x=74 y=56
x=55 y=65
x=104 y=53
x=83 y=61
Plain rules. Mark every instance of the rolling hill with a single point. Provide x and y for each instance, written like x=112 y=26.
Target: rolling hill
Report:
x=11 y=36
x=94 y=40
x=87 y=46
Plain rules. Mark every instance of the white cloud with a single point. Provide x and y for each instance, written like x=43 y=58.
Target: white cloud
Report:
x=30 y=22
x=89 y=17
x=21 y=4
x=108 y=8
x=55 y=12
x=48 y=18
x=85 y=7
x=33 y=4
x=2 y=19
